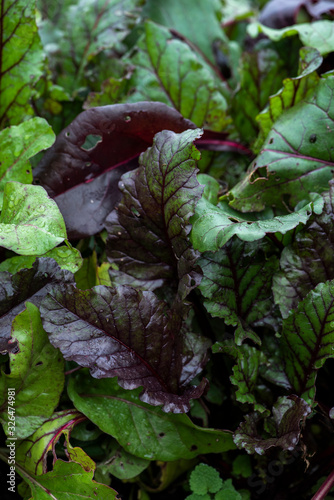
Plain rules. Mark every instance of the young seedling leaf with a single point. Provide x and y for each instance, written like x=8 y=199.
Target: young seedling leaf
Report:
x=82 y=179
x=143 y=430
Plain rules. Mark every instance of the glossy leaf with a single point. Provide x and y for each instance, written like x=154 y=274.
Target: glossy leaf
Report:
x=82 y=179
x=287 y=416
x=308 y=339
x=123 y=332
x=140 y=429
x=17 y=145
x=36 y=375
x=237 y=283
x=148 y=232
x=297 y=156
x=30 y=284
x=214 y=226
x=122 y=464
x=168 y=70
x=30 y=222
x=22 y=60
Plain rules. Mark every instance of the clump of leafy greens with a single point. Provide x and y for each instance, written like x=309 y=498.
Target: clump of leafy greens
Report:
x=166 y=248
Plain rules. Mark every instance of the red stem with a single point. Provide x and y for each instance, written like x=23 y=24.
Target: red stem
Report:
x=324 y=488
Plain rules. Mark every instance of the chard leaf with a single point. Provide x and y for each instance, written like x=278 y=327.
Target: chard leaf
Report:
x=318 y=34
x=82 y=179
x=213 y=226
x=308 y=339
x=130 y=334
x=122 y=464
x=30 y=222
x=287 y=415
x=148 y=232
x=308 y=260
x=237 y=282
x=168 y=70
x=36 y=375
x=140 y=429
x=67 y=480
x=27 y=284
x=297 y=156
x=31 y=453
x=204 y=28
x=17 y=145
x=22 y=60
x=293 y=91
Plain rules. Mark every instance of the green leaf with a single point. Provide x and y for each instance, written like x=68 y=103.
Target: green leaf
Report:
x=30 y=222
x=213 y=226
x=293 y=91
x=237 y=283
x=31 y=453
x=22 y=60
x=167 y=70
x=67 y=481
x=308 y=339
x=318 y=34
x=142 y=430
x=205 y=479
x=17 y=145
x=297 y=156
x=122 y=464
x=36 y=375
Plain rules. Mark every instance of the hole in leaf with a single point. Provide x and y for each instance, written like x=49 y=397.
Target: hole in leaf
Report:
x=162 y=434
x=271 y=141
x=39 y=363
x=67 y=134
x=313 y=138
x=193 y=448
x=127 y=119
x=91 y=141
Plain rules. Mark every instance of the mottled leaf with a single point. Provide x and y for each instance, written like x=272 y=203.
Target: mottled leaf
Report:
x=308 y=260
x=287 y=416
x=130 y=334
x=30 y=222
x=214 y=226
x=21 y=60
x=297 y=156
x=148 y=229
x=36 y=375
x=308 y=339
x=30 y=284
x=17 y=145
x=83 y=178
x=168 y=70
x=140 y=429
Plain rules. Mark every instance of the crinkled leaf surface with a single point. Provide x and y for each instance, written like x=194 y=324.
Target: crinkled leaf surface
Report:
x=213 y=226
x=21 y=60
x=82 y=179
x=17 y=145
x=319 y=34
x=168 y=70
x=287 y=420
x=237 y=283
x=67 y=481
x=148 y=230
x=297 y=156
x=31 y=453
x=36 y=374
x=293 y=91
x=140 y=429
x=308 y=339
x=30 y=284
x=308 y=260
x=130 y=334
x=30 y=221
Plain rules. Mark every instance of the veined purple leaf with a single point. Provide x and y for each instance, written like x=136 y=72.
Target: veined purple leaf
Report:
x=308 y=260
x=27 y=284
x=120 y=331
x=148 y=231
x=287 y=415
x=83 y=177
x=308 y=339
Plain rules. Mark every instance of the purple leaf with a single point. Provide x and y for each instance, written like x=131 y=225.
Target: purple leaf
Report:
x=120 y=331
x=148 y=231
x=83 y=179
x=281 y=13
x=27 y=284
